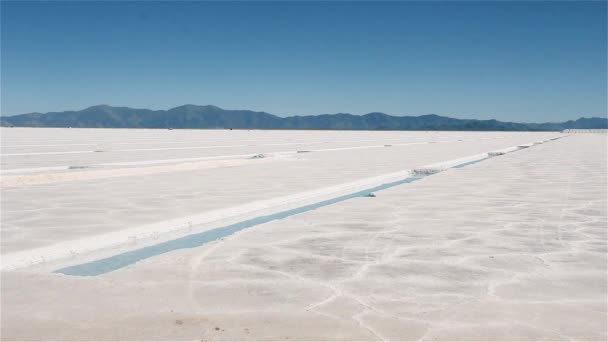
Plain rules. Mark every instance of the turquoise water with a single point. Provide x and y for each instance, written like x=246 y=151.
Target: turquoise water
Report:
x=118 y=261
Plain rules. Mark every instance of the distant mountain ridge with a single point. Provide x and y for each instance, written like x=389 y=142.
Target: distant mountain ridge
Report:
x=193 y=116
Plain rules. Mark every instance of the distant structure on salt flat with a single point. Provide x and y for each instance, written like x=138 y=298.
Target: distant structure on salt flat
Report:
x=579 y=131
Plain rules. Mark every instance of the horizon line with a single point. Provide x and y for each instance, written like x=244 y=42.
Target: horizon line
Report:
x=605 y=116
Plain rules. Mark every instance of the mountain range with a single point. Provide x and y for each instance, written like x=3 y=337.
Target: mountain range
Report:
x=193 y=116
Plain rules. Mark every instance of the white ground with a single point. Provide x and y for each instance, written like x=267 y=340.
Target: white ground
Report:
x=512 y=248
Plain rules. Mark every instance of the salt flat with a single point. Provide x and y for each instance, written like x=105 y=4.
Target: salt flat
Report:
x=154 y=184
x=511 y=248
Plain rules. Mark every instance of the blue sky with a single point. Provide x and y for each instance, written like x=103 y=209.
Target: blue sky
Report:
x=515 y=61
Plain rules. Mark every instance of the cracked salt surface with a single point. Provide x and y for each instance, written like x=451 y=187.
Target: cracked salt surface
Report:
x=510 y=249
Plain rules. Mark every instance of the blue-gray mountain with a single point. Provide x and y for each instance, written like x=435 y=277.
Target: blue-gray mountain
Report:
x=191 y=116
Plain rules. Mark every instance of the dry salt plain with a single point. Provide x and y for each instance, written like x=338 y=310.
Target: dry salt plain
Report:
x=272 y=235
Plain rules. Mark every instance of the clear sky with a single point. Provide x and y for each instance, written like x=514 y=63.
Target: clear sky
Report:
x=514 y=61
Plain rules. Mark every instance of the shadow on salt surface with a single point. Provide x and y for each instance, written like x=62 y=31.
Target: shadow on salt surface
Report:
x=118 y=261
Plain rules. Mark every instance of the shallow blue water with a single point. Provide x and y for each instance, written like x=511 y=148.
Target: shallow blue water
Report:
x=118 y=261
x=468 y=163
